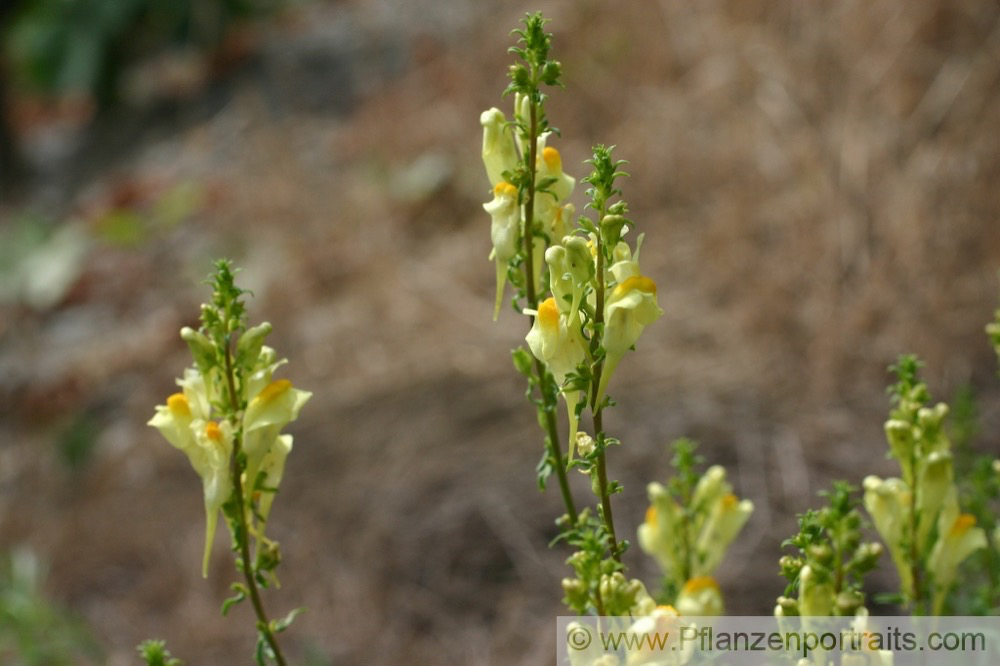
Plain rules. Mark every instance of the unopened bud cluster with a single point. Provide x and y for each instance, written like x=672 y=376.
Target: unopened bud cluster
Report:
x=825 y=577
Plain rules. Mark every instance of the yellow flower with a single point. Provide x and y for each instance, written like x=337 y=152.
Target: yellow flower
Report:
x=660 y=533
x=550 y=167
x=505 y=233
x=173 y=420
x=726 y=518
x=630 y=308
x=700 y=596
x=626 y=262
x=665 y=623
x=547 y=205
x=889 y=503
x=216 y=446
x=208 y=446
x=560 y=347
x=273 y=467
x=275 y=406
x=715 y=517
x=957 y=539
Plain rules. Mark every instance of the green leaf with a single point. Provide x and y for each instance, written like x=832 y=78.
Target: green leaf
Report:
x=241 y=593
x=278 y=626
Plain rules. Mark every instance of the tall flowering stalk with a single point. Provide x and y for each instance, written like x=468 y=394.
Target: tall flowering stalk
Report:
x=918 y=515
x=580 y=283
x=527 y=209
x=227 y=418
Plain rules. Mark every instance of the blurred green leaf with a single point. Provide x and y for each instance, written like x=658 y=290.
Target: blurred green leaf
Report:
x=34 y=631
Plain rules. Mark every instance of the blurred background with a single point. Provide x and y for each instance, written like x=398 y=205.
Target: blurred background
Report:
x=818 y=187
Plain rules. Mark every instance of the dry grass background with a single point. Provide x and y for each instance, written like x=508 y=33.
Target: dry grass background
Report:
x=817 y=182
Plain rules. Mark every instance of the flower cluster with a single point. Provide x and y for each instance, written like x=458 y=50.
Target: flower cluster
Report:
x=228 y=416
x=918 y=515
x=689 y=526
x=600 y=302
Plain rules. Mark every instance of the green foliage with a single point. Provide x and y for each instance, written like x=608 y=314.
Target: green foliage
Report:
x=536 y=68
x=829 y=543
x=34 y=631
x=590 y=537
x=993 y=332
x=71 y=46
x=76 y=442
x=155 y=653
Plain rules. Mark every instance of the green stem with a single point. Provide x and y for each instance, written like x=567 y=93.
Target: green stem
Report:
x=263 y=624
x=597 y=408
x=919 y=603
x=551 y=425
x=552 y=437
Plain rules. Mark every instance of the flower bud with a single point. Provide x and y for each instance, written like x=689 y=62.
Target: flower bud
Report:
x=901 y=442
x=571 y=268
x=935 y=482
x=201 y=348
x=822 y=553
x=577 y=595
x=847 y=603
x=619 y=594
x=790 y=566
x=250 y=343
x=519 y=75
x=499 y=152
x=788 y=606
x=866 y=557
x=551 y=73
x=815 y=594
x=522 y=361
x=611 y=229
